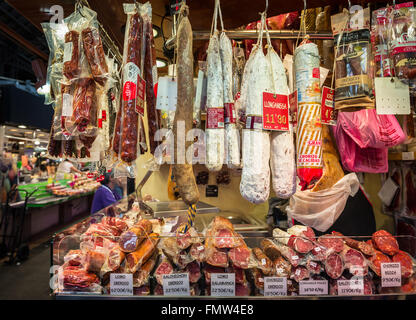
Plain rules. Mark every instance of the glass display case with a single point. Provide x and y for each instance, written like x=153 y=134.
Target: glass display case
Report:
x=125 y=252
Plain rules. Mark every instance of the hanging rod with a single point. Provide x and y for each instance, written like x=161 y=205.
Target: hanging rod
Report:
x=274 y=34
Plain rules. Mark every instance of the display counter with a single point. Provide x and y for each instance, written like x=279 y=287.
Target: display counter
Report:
x=134 y=255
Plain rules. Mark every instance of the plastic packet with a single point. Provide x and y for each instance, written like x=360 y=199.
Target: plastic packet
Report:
x=76 y=278
x=353 y=82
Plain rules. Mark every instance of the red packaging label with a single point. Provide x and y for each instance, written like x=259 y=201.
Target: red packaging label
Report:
x=129 y=91
x=293 y=104
x=229 y=111
x=141 y=89
x=104 y=115
x=328 y=113
x=215 y=118
x=254 y=122
x=100 y=178
x=100 y=123
x=275 y=112
x=316 y=73
x=90 y=175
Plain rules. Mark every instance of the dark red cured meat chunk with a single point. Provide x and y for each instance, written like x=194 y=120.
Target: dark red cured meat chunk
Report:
x=319 y=252
x=355 y=262
x=405 y=263
x=141 y=291
x=183 y=240
x=334 y=265
x=158 y=291
x=240 y=257
x=385 y=242
x=242 y=290
x=240 y=275
x=300 y=273
x=369 y=287
x=115 y=222
x=194 y=271
x=333 y=285
x=376 y=260
x=224 y=238
x=314 y=267
x=409 y=285
x=332 y=242
x=77 y=278
x=211 y=269
x=164 y=267
x=197 y=252
x=217 y=258
x=301 y=245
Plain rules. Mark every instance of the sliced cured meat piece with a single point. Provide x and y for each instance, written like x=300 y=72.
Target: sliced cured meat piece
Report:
x=118 y=223
x=281 y=267
x=194 y=271
x=141 y=277
x=240 y=256
x=164 y=267
x=362 y=246
x=208 y=270
x=355 y=261
x=302 y=231
x=146 y=249
x=77 y=278
x=376 y=260
x=113 y=260
x=197 y=252
x=130 y=240
x=319 y=252
x=270 y=249
x=332 y=242
x=300 y=273
x=300 y=244
x=334 y=265
x=405 y=263
x=185 y=240
x=224 y=238
x=240 y=275
x=94 y=260
x=215 y=257
x=265 y=264
x=385 y=242
x=314 y=267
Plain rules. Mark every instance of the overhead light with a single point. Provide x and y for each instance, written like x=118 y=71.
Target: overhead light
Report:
x=161 y=63
x=22 y=126
x=21 y=142
x=37 y=129
x=37 y=142
x=14 y=130
x=156 y=31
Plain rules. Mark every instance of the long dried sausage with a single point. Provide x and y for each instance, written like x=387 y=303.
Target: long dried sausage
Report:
x=94 y=52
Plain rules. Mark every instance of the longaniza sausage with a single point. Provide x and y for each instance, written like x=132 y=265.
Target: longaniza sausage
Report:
x=184 y=175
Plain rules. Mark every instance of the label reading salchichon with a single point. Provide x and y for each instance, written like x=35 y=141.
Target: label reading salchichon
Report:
x=176 y=284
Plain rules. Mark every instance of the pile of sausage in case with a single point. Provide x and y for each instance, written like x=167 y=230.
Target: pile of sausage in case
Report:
x=130 y=246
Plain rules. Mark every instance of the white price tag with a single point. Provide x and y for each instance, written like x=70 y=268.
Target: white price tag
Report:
x=176 y=284
x=391 y=274
x=223 y=284
x=167 y=94
x=121 y=284
x=67 y=109
x=68 y=47
x=275 y=286
x=350 y=287
x=388 y=191
x=408 y=156
x=313 y=287
x=392 y=96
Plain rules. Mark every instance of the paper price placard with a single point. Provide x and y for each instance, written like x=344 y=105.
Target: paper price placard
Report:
x=223 y=284
x=351 y=287
x=391 y=274
x=275 y=112
x=275 y=286
x=313 y=287
x=121 y=284
x=176 y=284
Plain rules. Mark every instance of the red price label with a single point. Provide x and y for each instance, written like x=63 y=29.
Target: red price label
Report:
x=100 y=123
x=141 y=89
x=90 y=175
x=103 y=115
x=275 y=112
x=316 y=73
x=100 y=178
x=328 y=113
x=215 y=118
x=129 y=91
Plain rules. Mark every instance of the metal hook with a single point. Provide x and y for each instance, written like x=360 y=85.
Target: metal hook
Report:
x=267 y=6
x=304 y=5
x=349 y=5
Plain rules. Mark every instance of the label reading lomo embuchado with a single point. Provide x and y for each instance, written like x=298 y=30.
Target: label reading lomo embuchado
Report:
x=391 y=274
x=176 y=284
x=353 y=287
x=222 y=284
x=313 y=287
x=275 y=286
x=121 y=284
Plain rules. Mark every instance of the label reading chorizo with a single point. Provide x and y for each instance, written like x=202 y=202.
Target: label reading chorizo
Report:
x=313 y=287
x=353 y=287
x=121 y=284
x=215 y=118
x=229 y=111
x=275 y=112
x=275 y=286
x=223 y=284
x=328 y=114
x=176 y=284
x=391 y=274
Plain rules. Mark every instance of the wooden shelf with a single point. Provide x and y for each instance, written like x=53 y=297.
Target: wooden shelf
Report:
x=402 y=156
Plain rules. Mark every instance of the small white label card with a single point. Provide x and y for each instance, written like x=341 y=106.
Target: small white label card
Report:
x=391 y=274
x=352 y=287
x=275 y=286
x=313 y=287
x=408 y=156
x=392 y=96
x=223 y=284
x=176 y=284
x=67 y=100
x=167 y=94
x=388 y=191
x=121 y=284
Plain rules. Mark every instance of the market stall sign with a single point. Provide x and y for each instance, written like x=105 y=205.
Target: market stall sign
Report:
x=121 y=284
x=223 y=284
x=391 y=274
x=176 y=284
x=313 y=287
x=275 y=286
x=275 y=112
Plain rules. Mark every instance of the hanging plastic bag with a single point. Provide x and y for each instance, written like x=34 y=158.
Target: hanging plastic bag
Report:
x=371 y=130
x=320 y=209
